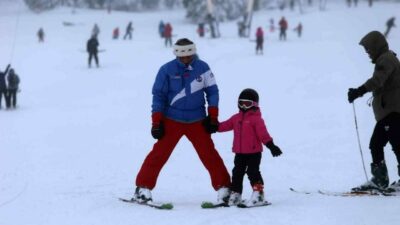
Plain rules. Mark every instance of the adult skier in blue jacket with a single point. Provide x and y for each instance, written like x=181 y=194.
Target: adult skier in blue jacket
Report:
x=180 y=92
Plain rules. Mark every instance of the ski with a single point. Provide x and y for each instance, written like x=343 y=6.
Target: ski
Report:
x=211 y=205
x=300 y=192
x=245 y=205
x=351 y=193
x=166 y=206
x=347 y=193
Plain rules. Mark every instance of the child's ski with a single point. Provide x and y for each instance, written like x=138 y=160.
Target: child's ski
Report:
x=151 y=204
x=211 y=205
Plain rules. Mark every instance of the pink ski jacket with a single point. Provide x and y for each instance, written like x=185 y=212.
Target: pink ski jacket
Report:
x=249 y=131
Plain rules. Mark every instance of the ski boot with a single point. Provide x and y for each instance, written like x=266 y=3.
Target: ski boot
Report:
x=257 y=197
x=379 y=180
x=235 y=198
x=142 y=195
x=223 y=195
x=395 y=186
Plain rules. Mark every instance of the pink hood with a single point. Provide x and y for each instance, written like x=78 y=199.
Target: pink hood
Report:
x=249 y=131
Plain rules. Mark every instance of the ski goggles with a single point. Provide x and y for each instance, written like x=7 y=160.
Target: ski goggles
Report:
x=247 y=104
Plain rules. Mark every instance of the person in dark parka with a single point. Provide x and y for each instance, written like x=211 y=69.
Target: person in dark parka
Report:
x=389 y=25
x=128 y=32
x=385 y=87
x=13 y=86
x=3 y=86
x=91 y=48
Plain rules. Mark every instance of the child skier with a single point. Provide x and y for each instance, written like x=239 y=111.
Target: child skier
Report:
x=259 y=40
x=250 y=133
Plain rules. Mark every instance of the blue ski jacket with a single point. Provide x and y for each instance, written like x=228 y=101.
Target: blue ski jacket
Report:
x=180 y=92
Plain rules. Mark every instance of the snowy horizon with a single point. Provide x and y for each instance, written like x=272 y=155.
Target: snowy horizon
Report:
x=78 y=137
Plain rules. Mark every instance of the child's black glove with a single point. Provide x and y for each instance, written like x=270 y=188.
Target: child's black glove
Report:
x=275 y=150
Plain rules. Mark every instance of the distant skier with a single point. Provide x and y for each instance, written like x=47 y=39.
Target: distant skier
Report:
x=291 y=5
x=389 y=25
x=128 y=32
x=161 y=27
x=385 y=87
x=241 y=29
x=95 y=30
x=13 y=86
x=3 y=87
x=271 y=25
x=298 y=29
x=184 y=91
x=168 y=34
x=212 y=23
x=259 y=40
x=40 y=35
x=349 y=3
x=92 y=49
x=250 y=134
x=283 y=25
x=201 y=29
x=116 y=33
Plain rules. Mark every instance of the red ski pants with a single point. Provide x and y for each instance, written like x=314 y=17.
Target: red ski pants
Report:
x=162 y=149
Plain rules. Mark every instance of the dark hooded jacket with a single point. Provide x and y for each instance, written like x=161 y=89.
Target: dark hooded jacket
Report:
x=13 y=80
x=385 y=81
x=92 y=45
x=3 y=85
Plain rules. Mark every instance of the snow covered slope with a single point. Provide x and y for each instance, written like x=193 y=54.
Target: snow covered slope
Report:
x=79 y=135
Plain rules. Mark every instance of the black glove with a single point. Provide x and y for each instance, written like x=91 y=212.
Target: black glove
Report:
x=157 y=130
x=275 y=150
x=356 y=93
x=210 y=124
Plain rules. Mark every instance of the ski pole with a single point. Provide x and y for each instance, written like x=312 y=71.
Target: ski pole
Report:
x=15 y=33
x=359 y=142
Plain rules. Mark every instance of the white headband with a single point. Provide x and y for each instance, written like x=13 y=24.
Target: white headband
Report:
x=184 y=50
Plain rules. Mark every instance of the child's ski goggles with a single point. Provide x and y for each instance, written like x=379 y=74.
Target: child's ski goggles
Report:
x=247 y=104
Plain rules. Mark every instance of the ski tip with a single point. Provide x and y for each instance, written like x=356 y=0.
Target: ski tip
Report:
x=125 y=200
x=167 y=206
x=207 y=205
x=210 y=205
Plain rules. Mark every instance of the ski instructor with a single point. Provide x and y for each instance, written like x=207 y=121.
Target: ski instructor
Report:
x=180 y=92
x=385 y=87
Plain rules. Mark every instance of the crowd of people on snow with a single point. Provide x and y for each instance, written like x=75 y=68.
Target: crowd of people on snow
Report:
x=186 y=103
x=192 y=115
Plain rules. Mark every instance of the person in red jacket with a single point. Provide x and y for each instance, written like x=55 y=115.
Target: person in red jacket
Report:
x=168 y=34
x=116 y=33
x=249 y=134
x=283 y=24
x=259 y=40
